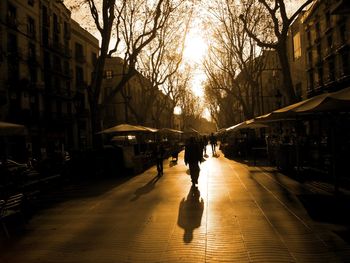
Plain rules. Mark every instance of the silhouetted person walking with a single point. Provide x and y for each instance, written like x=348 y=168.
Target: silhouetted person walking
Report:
x=193 y=156
x=212 y=140
x=159 y=155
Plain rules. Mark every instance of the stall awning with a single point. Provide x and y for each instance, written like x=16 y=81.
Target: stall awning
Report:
x=248 y=124
x=327 y=102
x=124 y=128
x=168 y=130
x=9 y=129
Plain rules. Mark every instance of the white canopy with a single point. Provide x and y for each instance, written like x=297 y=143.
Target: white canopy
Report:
x=8 y=129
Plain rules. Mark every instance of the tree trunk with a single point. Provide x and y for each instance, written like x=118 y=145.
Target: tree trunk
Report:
x=94 y=94
x=287 y=88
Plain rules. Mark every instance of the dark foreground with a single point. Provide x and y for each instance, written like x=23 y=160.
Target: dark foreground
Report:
x=237 y=214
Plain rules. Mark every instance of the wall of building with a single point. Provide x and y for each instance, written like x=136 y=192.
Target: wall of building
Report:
x=327 y=48
x=137 y=93
x=85 y=50
x=37 y=82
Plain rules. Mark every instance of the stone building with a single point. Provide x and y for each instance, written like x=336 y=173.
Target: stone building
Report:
x=326 y=26
x=85 y=50
x=296 y=45
x=137 y=103
x=38 y=86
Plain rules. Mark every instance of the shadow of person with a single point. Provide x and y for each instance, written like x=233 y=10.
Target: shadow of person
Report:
x=190 y=213
x=146 y=188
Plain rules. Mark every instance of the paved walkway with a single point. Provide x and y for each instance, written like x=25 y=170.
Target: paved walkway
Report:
x=238 y=214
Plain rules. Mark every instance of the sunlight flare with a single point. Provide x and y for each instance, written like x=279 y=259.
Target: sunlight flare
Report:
x=195 y=48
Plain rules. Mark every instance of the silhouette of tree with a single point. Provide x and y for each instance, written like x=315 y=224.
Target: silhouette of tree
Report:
x=234 y=62
x=278 y=23
x=132 y=24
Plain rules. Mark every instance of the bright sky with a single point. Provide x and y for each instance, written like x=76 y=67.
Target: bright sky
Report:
x=194 y=53
x=195 y=50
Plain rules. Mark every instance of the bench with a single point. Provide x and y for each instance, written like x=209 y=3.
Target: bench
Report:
x=10 y=207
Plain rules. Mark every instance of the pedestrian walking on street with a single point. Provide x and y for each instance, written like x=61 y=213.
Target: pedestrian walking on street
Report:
x=159 y=156
x=213 y=142
x=204 y=144
x=193 y=157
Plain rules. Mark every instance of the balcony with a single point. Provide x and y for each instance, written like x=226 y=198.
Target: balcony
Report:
x=329 y=80
x=67 y=52
x=344 y=74
x=341 y=47
x=329 y=53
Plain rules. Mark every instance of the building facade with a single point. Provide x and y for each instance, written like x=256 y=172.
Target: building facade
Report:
x=137 y=103
x=327 y=47
x=85 y=50
x=296 y=45
x=38 y=86
x=271 y=82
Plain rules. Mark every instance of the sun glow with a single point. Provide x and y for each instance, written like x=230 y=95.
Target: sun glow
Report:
x=195 y=48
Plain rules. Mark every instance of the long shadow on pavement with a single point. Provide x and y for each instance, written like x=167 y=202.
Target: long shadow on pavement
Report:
x=190 y=213
x=146 y=188
x=83 y=189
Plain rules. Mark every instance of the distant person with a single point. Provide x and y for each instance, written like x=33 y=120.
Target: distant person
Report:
x=204 y=145
x=213 y=143
x=175 y=153
x=193 y=156
x=159 y=156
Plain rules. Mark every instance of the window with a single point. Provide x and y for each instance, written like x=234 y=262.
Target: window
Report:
x=331 y=69
x=31 y=2
x=297 y=46
x=56 y=25
x=318 y=30
x=320 y=76
x=45 y=16
x=328 y=19
x=330 y=41
x=109 y=74
x=31 y=51
x=12 y=16
x=31 y=27
x=310 y=80
x=93 y=58
x=79 y=76
x=66 y=29
x=309 y=58
x=298 y=90
x=345 y=63
x=308 y=35
x=79 y=53
x=343 y=33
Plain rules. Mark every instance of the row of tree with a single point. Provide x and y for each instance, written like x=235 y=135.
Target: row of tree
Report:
x=149 y=36
x=240 y=31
